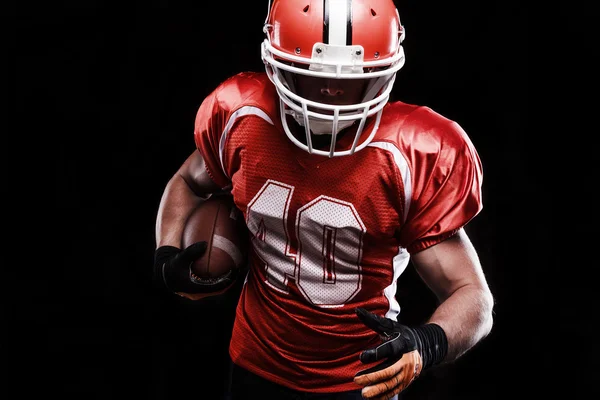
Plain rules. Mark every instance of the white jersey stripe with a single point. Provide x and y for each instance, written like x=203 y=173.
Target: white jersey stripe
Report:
x=402 y=165
x=399 y=264
x=247 y=110
x=401 y=259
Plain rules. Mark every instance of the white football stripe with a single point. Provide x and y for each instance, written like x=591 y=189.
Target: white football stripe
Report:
x=228 y=247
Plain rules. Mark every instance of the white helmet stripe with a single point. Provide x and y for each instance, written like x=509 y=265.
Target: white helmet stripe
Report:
x=337 y=22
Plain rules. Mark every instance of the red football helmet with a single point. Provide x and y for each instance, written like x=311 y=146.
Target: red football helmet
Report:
x=337 y=40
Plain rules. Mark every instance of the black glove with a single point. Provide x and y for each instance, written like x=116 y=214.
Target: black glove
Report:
x=429 y=340
x=172 y=270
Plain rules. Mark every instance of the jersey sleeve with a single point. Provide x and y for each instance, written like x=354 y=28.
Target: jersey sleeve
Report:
x=209 y=126
x=447 y=183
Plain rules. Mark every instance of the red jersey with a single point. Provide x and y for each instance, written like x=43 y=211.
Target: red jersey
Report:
x=329 y=234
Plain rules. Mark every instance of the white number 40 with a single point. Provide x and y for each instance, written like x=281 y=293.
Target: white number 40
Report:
x=326 y=265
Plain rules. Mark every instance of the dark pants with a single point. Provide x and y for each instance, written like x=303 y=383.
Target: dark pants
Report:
x=244 y=385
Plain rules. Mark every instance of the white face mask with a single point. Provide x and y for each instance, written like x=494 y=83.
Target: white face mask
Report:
x=321 y=118
x=321 y=127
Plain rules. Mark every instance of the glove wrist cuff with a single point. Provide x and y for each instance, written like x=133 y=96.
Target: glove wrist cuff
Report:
x=434 y=344
x=161 y=255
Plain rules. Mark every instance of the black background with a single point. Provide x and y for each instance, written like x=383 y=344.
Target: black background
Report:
x=104 y=96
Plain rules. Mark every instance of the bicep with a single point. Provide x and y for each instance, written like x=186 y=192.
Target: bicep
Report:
x=193 y=171
x=449 y=265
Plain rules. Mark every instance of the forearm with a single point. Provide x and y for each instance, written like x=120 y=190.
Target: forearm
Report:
x=466 y=318
x=177 y=201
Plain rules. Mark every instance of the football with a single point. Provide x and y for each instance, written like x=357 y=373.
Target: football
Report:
x=221 y=224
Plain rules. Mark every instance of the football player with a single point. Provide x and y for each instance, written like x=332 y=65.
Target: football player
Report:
x=340 y=187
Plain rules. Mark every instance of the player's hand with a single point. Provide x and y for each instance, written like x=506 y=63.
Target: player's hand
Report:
x=401 y=355
x=172 y=269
